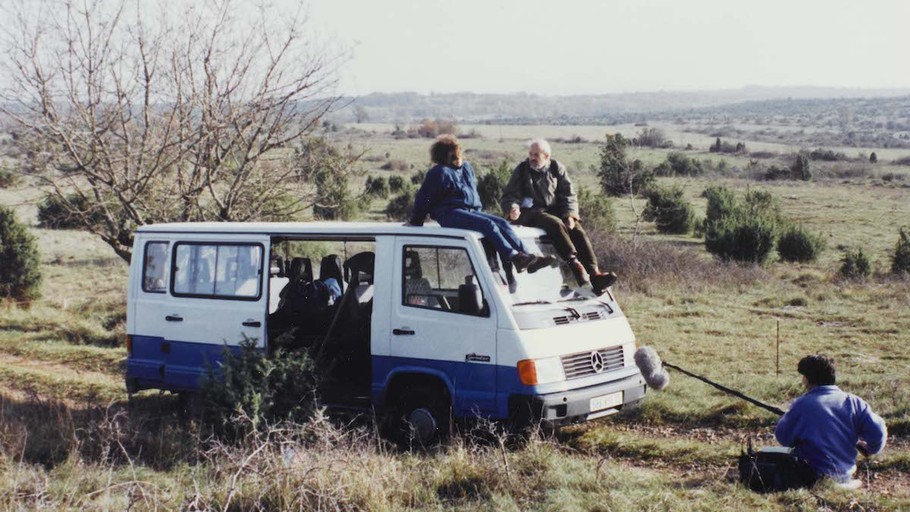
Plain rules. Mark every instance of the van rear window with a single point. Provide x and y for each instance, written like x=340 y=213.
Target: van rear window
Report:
x=154 y=267
x=224 y=271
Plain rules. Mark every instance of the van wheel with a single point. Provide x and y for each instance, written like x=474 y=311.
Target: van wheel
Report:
x=423 y=419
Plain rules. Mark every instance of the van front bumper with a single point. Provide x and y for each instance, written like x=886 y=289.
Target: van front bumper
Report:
x=577 y=405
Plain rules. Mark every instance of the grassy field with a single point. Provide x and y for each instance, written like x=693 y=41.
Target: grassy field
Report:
x=70 y=440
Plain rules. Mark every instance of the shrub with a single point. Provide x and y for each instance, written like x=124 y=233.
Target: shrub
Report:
x=797 y=244
x=669 y=210
x=491 y=184
x=800 y=169
x=596 y=211
x=720 y=146
x=20 y=273
x=855 y=264
x=652 y=138
x=776 y=173
x=8 y=178
x=334 y=199
x=71 y=212
x=619 y=176
x=259 y=388
x=377 y=187
x=827 y=155
x=741 y=231
x=741 y=239
x=680 y=164
x=900 y=261
x=396 y=183
x=721 y=202
x=431 y=128
x=401 y=206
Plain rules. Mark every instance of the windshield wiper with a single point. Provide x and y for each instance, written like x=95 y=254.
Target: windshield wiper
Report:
x=532 y=302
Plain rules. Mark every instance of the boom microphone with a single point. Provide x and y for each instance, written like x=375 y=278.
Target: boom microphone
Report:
x=651 y=368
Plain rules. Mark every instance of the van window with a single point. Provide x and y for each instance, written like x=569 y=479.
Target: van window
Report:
x=217 y=270
x=154 y=267
x=432 y=275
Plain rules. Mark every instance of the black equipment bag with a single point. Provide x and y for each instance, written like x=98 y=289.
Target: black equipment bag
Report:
x=773 y=470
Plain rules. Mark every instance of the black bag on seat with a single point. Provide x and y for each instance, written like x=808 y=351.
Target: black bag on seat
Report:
x=773 y=469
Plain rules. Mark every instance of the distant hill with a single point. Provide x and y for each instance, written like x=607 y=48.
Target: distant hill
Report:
x=406 y=107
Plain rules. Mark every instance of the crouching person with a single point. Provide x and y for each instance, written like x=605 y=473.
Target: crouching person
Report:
x=827 y=427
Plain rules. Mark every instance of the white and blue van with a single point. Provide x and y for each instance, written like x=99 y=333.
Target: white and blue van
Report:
x=424 y=324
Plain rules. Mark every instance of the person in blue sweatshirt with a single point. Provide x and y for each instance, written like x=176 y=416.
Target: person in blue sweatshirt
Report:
x=828 y=427
x=449 y=195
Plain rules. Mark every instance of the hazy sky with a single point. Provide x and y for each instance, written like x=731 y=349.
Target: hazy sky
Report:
x=606 y=46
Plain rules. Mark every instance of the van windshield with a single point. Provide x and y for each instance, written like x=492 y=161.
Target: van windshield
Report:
x=547 y=285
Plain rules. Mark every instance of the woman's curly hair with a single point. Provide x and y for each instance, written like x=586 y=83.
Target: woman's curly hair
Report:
x=446 y=151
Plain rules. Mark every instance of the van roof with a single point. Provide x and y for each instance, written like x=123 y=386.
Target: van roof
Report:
x=320 y=228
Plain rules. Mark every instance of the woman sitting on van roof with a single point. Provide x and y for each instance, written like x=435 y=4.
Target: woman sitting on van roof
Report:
x=449 y=194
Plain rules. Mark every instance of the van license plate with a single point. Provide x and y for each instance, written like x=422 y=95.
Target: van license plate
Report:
x=606 y=401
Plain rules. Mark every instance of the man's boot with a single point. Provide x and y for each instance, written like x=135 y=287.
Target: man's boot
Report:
x=601 y=281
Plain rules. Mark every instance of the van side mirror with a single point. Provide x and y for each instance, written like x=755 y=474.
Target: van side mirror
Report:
x=470 y=300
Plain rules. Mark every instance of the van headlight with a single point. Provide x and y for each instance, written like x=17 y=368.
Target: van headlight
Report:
x=540 y=371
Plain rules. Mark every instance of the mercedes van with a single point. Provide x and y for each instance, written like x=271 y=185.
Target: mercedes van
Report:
x=423 y=324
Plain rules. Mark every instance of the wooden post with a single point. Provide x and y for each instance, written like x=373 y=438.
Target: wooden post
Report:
x=777 y=359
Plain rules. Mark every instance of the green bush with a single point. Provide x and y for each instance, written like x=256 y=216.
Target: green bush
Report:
x=855 y=264
x=721 y=202
x=491 y=184
x=70 y=212
x=20 y=272
x=8 y=178
x=669 y=210
x=596 y=211
x=741 y=231
x=377 y=187
x=396 y=183
x=335 y=201
x=900 y=261
x=618 y=175
x=258 y=388
x=797 y=244
x=741 y=239
x=401 y=206
x=679 y=164
x=800 y=168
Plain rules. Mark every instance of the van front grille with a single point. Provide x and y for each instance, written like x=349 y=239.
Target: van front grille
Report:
x=584 y=364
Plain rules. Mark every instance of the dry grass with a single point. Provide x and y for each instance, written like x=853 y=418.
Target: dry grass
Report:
x=68 y=439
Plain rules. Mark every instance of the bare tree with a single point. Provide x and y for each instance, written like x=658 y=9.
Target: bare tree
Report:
x=175 y=111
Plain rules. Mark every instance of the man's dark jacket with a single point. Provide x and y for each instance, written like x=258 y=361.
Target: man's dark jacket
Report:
x=550 y=190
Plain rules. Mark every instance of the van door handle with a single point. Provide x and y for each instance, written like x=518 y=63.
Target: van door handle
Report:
x=400 y=332
x=252 y=323
x=174 y=318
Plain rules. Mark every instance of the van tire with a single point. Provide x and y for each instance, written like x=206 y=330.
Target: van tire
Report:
x=422 y=419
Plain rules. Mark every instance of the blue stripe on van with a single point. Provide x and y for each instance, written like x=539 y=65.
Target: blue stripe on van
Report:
x=476 y=388
x=171 y=365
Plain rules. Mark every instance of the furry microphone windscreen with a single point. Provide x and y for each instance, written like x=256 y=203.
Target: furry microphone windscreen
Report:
x=651 y=368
